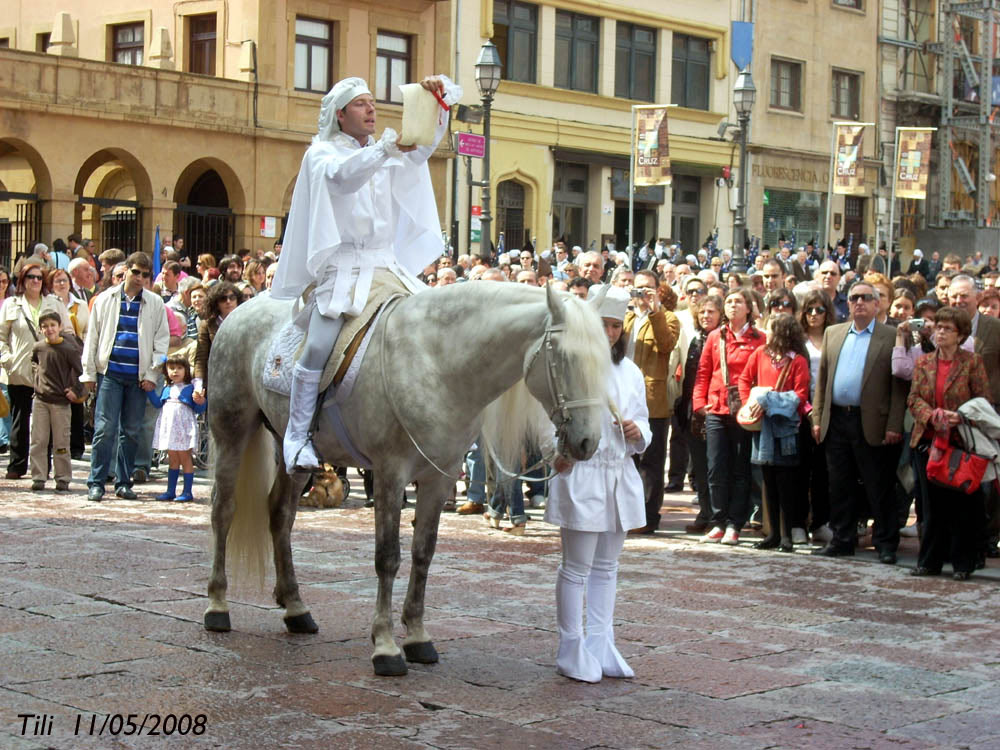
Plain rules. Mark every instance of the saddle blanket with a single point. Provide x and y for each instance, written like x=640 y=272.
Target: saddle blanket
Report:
x=348 y=353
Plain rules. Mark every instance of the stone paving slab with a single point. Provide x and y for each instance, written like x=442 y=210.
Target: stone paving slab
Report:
x=101 y=607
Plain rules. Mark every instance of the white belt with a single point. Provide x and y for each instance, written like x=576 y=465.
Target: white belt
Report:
x=345 y=260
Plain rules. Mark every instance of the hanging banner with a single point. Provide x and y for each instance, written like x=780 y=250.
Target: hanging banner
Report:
x=913 y=162
x=849 y=176
x=652 y=151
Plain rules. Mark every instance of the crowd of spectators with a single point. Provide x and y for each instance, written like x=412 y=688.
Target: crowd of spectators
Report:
x=836 y=442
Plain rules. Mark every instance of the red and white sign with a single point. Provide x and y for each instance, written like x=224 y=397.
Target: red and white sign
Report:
x=470 y=144
x=476 y=210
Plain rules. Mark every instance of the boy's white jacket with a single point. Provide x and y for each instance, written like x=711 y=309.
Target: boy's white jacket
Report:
x=154 y=334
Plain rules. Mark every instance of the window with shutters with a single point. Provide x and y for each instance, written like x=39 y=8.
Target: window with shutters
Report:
x=577 y=51
x=635 y=61
x=690 y=75
x=392 y=66
x=313 y=55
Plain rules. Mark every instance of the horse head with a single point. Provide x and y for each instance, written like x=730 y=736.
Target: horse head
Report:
x=566 y=371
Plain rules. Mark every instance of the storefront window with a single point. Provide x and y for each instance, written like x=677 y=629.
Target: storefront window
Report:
x=796 y=216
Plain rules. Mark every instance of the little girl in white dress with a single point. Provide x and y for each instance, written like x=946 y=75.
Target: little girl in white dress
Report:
x=176 y=429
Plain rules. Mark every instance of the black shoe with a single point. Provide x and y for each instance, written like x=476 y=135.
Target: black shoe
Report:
x=3 y=449
x=832 y=551
x=95 y=493
x=698 y=527
x=674 y=488
x=786 y=546
x=767 y=544
x=77 y=456
x=920 y=570
x=887 y=558
x=961 y=575
x=992 y=552
x=370 y=503
x=125 y=493
x=139 y=476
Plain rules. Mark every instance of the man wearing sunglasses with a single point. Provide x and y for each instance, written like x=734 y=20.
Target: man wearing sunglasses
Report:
x=858 y=412
x=127 y=338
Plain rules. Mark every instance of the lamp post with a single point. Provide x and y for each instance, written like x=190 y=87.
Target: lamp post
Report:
x=744 y=93
x=488 y=68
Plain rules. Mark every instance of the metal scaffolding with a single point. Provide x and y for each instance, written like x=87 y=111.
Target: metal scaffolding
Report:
x=968 y=127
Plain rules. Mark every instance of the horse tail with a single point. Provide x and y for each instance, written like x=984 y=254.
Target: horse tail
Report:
x=248 y=546
x=512 y=422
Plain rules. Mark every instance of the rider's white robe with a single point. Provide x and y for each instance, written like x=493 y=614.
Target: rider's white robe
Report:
x=355 y=209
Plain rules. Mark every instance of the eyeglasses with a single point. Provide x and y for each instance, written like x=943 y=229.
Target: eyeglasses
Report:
x=781 y=303
x=228 y=297
x=816 y=311
x=32 y=277
x=138 y=272
x=855 y=298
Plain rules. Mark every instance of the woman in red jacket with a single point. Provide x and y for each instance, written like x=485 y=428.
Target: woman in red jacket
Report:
x=776 y=446
x=726 y=352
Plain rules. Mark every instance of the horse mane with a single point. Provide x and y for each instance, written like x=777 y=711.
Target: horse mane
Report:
x=517 y=421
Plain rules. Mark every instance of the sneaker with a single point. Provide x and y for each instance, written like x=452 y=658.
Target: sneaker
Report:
x=715 y=535
x=822 y=535
x=731 y=537
x=799 y=536
x=909 y=531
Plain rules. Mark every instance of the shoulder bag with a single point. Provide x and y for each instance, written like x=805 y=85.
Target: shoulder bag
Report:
x=952 y=467
x=733 y=401
x=754 y=424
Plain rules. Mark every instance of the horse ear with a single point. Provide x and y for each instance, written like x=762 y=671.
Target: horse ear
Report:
x=555 y=305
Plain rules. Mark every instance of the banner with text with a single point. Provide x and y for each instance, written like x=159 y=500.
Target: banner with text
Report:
x=849 y=177
x=652 y=151
x=913 y=163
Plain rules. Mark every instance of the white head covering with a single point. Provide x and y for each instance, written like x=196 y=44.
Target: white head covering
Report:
x=342 y=94
x=863 y=248
x=608 y=301
x=918 y=253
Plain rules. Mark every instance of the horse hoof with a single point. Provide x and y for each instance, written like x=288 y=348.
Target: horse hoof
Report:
x=303 y=623
x=217 y=622
x=389 y=666
x=422 y=652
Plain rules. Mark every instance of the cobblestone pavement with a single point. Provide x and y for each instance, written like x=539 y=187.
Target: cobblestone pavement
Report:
x=101 y=607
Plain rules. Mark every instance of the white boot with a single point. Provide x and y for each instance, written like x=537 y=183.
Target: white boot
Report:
x=297 y=447
x=601 y=588
x=573 y=660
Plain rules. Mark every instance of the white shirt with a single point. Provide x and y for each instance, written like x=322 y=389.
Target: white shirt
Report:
x=638 y=322
x=604 y=493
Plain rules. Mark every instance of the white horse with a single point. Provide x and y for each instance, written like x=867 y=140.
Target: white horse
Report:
x=435 y=362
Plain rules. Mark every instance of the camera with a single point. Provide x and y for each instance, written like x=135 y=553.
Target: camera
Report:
x=636 y=293
x=916 y=323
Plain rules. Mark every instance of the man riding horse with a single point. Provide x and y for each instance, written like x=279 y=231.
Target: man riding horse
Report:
x=358 y=205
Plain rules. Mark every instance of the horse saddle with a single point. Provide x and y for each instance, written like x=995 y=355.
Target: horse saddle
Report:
x=352 y=342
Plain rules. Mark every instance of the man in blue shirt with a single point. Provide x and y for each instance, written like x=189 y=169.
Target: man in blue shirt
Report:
x=858 y=412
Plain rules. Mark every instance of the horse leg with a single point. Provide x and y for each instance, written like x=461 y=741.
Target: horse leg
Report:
x=386 y=658
x=283 y=502
x=227 y=463
x=431 y=494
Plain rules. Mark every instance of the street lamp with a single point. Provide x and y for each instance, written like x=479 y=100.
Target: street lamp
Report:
x=744 y=93
x=488 y=68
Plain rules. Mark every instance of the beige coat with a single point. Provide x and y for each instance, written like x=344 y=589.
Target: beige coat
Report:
x=16 y=339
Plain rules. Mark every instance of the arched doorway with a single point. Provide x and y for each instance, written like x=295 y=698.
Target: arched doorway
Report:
x=24 y=182
x=510 y=214
x=111 y=187
x=204 y=216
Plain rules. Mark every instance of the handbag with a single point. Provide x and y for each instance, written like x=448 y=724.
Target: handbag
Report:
x=950 y=466
x=754 y=424
x=733 y=402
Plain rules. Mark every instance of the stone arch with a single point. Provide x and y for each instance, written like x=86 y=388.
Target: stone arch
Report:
x=42 y=177
x=194 y=171
x=115 y=157
x=115 y=220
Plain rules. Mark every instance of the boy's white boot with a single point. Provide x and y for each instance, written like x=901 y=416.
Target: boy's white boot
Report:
x=601 y=589
x=573 y=659
x=297 y=446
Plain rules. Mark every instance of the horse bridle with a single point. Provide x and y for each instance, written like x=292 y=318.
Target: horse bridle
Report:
x=561 y=414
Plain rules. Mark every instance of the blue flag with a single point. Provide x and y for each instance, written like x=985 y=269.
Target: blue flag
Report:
x=156 y=253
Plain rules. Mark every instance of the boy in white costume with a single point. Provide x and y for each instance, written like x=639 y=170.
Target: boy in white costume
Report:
x=595 y=503
x=358 y=204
